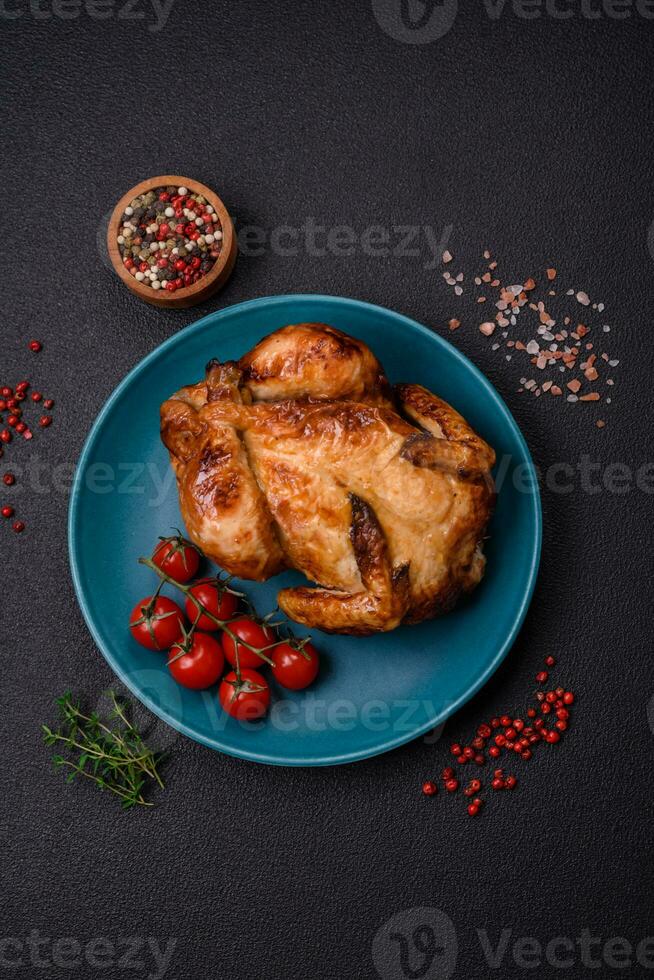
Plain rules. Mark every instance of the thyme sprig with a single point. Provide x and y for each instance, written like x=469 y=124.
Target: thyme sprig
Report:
x=110 y=752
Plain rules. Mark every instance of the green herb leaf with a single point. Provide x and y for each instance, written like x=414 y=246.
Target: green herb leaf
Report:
x=110 y=753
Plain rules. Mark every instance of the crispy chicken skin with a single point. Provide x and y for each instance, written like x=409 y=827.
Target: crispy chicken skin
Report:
x=301 y=455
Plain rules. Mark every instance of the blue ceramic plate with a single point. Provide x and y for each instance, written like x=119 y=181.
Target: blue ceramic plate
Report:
x=373 y=693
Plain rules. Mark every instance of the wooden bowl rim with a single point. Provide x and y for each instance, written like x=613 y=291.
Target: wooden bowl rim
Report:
x=198 y=290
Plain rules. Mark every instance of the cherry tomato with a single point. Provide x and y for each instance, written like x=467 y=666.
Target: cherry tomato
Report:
x=248 y=700
x=201 y=665
x=156 y=623
x=177 y=557
x=220 y=603
x=252 y=633
x=291 y=668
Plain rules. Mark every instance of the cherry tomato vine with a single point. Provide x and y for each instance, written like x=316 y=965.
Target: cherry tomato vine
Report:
x=195 y=659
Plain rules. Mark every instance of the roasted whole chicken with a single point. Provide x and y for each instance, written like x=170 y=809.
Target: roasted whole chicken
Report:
x=301 y=455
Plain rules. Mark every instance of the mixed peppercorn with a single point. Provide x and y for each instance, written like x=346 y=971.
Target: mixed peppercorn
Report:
x=169 y=238
x=508 y=734
x=13 y=424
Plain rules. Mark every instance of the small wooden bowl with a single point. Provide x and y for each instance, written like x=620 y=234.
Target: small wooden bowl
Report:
x=187 y=295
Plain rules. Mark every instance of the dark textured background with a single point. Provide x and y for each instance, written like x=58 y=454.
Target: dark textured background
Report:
x=531 y=137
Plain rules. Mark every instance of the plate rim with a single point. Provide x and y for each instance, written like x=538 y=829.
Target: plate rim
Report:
x=214 y=742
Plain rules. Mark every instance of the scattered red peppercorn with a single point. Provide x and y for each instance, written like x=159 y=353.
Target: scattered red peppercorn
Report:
x=48 y=403
x=35 y=346
x=429 y=788
x=11 y=401
x=518 y=736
